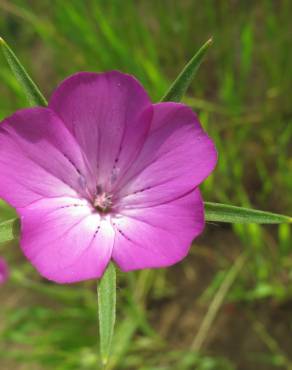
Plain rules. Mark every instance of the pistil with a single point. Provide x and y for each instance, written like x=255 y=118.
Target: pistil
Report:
x=103 y=202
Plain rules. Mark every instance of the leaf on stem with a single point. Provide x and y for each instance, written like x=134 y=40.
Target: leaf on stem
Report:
x=239 y=215
x=106 y=293
x=218 y=212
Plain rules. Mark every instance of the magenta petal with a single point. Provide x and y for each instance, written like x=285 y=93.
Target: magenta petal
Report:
x=176 y=157
x=39 y=158
x=3 y=271
x=107 y=115
x=158 y=236
x=65 y=240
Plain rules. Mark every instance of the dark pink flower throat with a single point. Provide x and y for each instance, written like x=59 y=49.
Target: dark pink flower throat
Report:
x=102 y=201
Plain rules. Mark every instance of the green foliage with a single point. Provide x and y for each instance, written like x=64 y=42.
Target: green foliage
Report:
x=9 y=230
x=243 y=97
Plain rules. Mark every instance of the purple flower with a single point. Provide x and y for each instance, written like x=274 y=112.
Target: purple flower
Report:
x=3 y=271
x=103 y=173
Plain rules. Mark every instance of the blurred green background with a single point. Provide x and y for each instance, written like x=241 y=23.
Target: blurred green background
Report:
x=244 y=273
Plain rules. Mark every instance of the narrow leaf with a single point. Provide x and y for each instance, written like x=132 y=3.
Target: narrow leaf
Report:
x=106 y=292
x=238 y=215
x=31 y=90
x=184 y=79
x=9 y=230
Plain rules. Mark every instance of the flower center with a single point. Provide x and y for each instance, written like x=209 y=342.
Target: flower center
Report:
x=103 y=202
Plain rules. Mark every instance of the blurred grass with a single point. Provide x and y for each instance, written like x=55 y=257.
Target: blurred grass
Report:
x=243 y=96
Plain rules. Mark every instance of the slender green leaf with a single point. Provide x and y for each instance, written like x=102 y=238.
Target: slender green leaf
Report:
x=9 y=230
x=31 y=90
x=106 y=292
x=239 y=215
x=184 y=79
x=217 y=212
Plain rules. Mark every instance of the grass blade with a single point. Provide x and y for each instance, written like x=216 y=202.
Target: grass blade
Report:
x=217 y=303
x=184 y=79
x=106 y=292
x=122 y=340
x=31 y=90
x=9 y=230
x=239 y=215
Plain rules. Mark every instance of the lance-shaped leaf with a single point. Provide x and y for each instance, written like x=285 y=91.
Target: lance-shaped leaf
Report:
x=239 y=215
x=184 y=79
x=218 y=212
x=31 y=90
x=106 y=294
x=9 y=230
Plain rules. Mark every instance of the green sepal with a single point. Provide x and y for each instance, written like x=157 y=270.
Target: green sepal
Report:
x=185 y=78
x=32 y=92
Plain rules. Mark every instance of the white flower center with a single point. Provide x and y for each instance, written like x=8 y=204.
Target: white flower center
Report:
x=103 y=202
